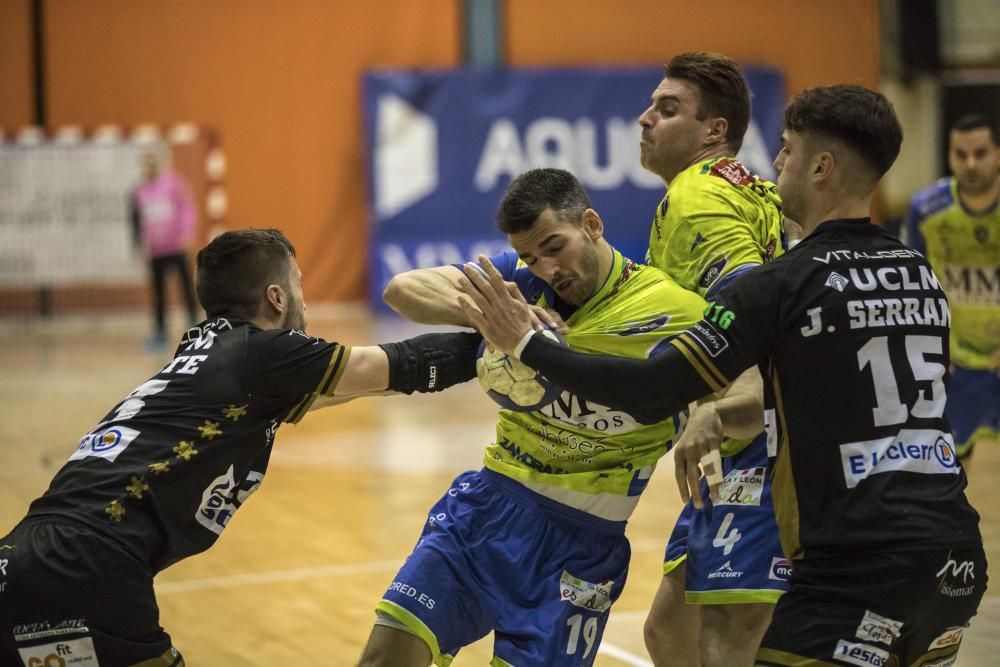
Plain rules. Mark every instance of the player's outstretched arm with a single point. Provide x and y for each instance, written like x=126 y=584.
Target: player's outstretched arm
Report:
x=648 y=389
x=427 y=363
x=428 y=296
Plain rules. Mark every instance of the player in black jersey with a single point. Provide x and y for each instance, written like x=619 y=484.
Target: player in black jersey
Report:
x=850 y=331
x=160 y=476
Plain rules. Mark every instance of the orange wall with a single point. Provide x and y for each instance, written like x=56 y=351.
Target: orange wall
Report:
x=812 y=41
x=280 y=79
x=15 y=64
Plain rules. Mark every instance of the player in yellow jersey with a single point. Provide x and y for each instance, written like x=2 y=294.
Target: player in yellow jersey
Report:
x=531 y=547
x=717 y=221
x=955 y=223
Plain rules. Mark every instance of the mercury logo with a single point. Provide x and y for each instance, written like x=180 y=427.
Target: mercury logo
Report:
x=725 y=571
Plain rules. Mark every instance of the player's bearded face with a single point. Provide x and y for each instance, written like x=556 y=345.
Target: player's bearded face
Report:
x=562 y=254
x=974 y=159
x=671 y=131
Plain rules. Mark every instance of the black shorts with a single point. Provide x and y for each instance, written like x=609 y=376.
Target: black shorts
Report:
x=69 y=596
x=876 y=610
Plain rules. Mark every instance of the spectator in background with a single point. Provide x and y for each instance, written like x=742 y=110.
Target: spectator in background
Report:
x=955 y=223
x=164 y=218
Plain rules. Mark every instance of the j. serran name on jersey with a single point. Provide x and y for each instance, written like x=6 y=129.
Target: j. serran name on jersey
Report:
x=898 y=312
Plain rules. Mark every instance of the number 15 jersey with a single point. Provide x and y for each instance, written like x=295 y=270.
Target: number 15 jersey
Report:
x=850 y=331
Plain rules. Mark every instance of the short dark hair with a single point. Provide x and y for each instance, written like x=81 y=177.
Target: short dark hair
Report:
x=860 y=118
x=235 y=269
x=722 y=87
x=532 y=192
x=974 y=121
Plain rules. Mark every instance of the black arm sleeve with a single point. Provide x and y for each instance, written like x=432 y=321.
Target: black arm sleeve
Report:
x=648 y=389
x=736 y=334
x=432 y=362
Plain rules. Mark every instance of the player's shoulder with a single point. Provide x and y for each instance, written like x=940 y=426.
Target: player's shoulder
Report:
x=532 y=288
x=660 y=281
x=274 y=344
x=933 y=199
x=657 y=291
x=718 y=184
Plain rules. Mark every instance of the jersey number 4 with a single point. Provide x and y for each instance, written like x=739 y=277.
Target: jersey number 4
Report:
x=726 y=539
x=889 y=408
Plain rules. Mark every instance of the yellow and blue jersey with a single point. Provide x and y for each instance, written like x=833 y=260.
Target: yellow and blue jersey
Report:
x=964 y=250
x=717 y=219
x=577 y=452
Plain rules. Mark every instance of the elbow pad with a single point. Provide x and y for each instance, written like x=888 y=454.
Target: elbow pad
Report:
x=432 y=362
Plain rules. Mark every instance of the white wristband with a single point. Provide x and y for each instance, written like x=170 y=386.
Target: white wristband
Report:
x=523 y=344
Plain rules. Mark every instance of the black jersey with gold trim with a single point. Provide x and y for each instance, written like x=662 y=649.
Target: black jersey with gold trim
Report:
x=850 y=331
x=164 y=471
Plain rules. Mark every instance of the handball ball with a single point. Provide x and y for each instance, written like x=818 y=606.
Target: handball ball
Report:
x=513 y=385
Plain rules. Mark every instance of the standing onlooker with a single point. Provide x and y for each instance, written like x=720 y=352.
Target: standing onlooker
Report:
x=164 y=218
x=955 y=223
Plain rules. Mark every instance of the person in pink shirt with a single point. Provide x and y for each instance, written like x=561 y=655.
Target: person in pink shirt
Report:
x=164 y=218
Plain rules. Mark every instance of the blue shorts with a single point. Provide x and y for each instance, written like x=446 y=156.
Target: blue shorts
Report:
x=732 y=549
x=973 y=407
x=497 y=556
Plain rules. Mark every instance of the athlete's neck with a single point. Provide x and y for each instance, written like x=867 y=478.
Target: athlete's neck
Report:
x=842 y=209
x=605 y=262
x=707 y=153
x=980 y=202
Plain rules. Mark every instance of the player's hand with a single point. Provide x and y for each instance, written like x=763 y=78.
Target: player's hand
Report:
x=492 y=308
x=542 y=318
x=699 y=446
x=550 y=318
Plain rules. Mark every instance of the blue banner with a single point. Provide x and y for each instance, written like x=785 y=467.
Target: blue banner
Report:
x=443 y=145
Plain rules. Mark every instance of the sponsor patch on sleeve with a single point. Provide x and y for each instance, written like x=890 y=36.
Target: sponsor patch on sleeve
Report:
x=709 y=338
x=713 y=272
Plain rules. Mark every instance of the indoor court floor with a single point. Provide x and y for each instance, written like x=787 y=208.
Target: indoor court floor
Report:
x=294 y=578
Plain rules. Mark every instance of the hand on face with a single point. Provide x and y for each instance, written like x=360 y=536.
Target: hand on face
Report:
x=497 y=311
